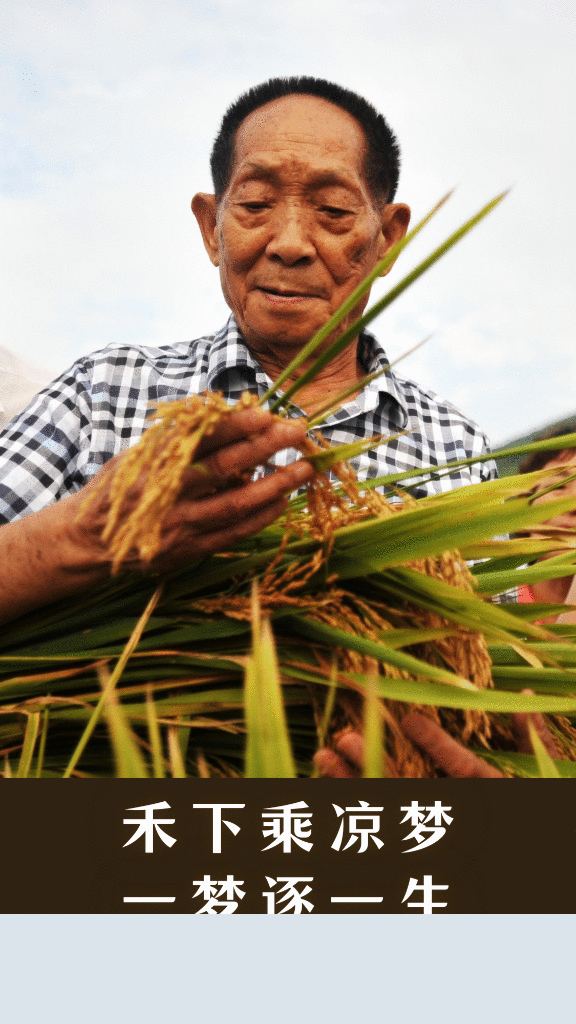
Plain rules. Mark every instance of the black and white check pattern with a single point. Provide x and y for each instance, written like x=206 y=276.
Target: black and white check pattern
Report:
x=99 y=407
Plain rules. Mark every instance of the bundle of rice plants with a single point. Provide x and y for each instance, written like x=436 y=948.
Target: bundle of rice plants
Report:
x=357 y=607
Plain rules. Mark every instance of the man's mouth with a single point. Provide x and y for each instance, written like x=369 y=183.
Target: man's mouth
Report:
x=287 y=293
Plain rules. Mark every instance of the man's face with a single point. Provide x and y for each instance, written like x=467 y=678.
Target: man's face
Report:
x=297 y=228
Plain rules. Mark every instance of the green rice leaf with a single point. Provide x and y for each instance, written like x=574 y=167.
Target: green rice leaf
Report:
x=437 y=472
x=175 y=755
x=42 y=746
x=548 y=569
x=333 y=637
x=111 y=683
x=373 y=729
x=329 y=706
x=546 y=765
x=154 y=735
x=344 y=452
x=129 y=762
x=30 y=736
x=446 y=695
x=458 y=606
x=268 y=750
x=524 y=765
x=546 y=680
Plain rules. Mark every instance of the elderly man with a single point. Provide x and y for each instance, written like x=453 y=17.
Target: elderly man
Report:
x=304 y=177
x=305 y=174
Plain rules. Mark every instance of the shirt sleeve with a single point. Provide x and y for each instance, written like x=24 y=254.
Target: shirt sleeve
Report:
x=44 y=451
x=480 y=445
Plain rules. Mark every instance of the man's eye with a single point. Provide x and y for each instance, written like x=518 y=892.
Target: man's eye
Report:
x=254 y=207
x=335 y=211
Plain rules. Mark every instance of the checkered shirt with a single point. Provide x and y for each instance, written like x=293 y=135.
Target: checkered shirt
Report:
x=99 y=407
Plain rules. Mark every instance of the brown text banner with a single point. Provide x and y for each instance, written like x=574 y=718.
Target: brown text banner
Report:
x=306 y=846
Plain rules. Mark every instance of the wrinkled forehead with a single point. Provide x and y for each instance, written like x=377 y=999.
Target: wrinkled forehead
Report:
x=301 y=122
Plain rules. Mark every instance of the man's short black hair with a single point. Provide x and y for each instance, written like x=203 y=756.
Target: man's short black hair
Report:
x=382 y=164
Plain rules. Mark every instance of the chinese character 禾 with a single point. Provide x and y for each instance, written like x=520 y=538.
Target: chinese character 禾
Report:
x=148 y=824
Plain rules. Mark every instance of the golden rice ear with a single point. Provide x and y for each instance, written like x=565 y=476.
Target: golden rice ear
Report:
x=363 y=595
x=163 y=454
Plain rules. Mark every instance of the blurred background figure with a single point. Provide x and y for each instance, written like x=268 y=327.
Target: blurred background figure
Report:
x=562 y=465
x=20 y=381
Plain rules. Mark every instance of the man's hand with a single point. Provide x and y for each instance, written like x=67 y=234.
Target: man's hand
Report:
x=217 y=506
x=59 y=551
x=346 y=760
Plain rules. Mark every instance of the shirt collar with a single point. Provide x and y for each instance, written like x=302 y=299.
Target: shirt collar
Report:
x=372 y=357
x=229 y=352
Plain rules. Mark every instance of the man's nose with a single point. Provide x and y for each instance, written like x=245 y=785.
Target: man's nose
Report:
x=291 y=239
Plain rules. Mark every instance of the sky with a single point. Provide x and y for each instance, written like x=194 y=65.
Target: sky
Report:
x=109 y=110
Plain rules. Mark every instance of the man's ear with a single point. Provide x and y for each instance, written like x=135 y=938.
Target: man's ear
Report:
x=204 y=209
x=395 y=221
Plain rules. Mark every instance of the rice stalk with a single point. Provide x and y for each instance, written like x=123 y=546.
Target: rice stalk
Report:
x=427 y=633
x=175 y=756
x=30 y=736
x=268 y=750
x=154 y=736
x=546 y=765
x=373 y=729
x=358 y=594
x=42 y=745
x=129 y=762
x=110 y=681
